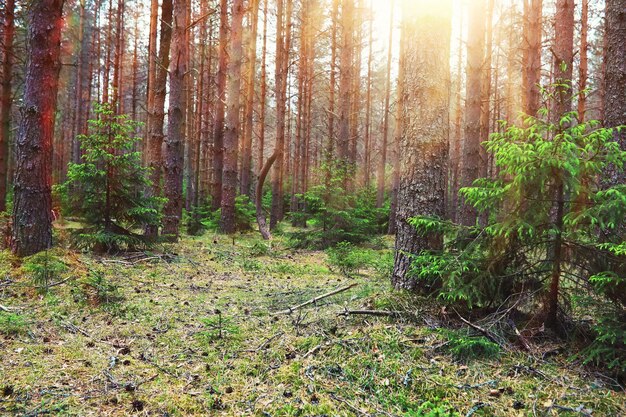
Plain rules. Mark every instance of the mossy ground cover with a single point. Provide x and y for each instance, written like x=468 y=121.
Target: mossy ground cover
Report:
x=192 y=331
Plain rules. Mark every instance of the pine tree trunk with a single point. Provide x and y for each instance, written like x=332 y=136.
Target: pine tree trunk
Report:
x=107 y=56
x=283 y=45
x=263 y=99
x=531 y=77
x=156 y=113
x=231 y=136
x=32 y=206
x=174 y=143
x=563 y=58
x=190 y=137
x=583 y=69
x=357 y=39
x=615 y=76
x=246 y=148
x=152 y=62
x=330 y=144
x=345 y=88
x=424 y=158
x=457 y=137
x=367 y=175
x=397 y=139
x=220 y=111
x=470 y=149
x=207 y=118
x=118 y=104
x=485 y=107
x=382 y=163
x=5 y=97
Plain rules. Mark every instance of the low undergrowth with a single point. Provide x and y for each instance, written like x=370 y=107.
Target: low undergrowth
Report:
x=199 y=333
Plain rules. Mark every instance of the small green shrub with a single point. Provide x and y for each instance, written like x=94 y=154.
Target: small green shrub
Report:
x=98 y=290
x=245 y=215
x=12 y=324
x=348 y=259
x=107 y=188
x=44 y=270
x=608 y=348
x=259 y=248
x=433 y=409
x=466 y=348
x=337 y=216
x=383 y=264
x=196 y=219
x=218 y=327
x=251 y=264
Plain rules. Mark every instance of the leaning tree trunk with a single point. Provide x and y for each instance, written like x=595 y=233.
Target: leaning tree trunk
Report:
x=32 y=207
x=5 y=97
x=174 y=144
x=231 y=135
x=615 y=76
x=424 y=160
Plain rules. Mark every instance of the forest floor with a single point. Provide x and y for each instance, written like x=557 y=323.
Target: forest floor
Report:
x=196 y=332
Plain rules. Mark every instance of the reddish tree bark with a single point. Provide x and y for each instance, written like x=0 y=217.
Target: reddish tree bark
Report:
x=263 y=99
x=615 y=76
x=563 y=57
x=220 y=111
x=174 y=143
x=231 y=136
x=5 y=97
x=32 y=206
x=283 y=46
x=583 y=68
x=531 y=75
x=156 y=113
x=246 y=149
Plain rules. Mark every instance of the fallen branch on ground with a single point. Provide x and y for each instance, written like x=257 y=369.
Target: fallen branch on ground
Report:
x=266 y=342
x=484 y=332
x=316 y=299
x=379 y=313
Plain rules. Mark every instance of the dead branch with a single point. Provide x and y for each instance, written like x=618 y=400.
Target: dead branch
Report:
x=484 y=332
x=75 y=329
x=266 y=342
x=316 y=299
x=379 y=313
x=313 y=351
